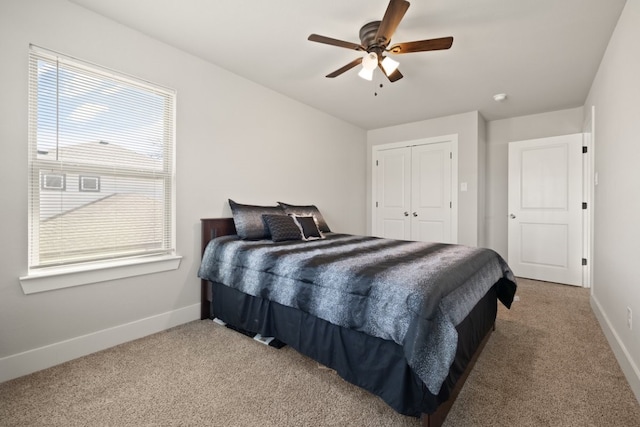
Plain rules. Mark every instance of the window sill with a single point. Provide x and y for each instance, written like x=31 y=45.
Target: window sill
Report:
x=66 y=277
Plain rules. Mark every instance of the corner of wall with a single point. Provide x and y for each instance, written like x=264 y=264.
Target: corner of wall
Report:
x=482 y=181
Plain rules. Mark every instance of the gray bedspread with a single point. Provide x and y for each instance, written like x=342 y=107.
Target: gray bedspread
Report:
x=412 y=293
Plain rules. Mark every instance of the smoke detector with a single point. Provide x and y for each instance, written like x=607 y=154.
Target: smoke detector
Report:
x=499 y=97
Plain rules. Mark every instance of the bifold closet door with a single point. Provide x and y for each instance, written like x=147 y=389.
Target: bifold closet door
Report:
x=394 y=194
x=413 y=193
x=431 y=193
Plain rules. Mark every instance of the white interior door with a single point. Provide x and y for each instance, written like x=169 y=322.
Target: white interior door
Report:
x=431 y=193
x=545 y=209
x=393 y=194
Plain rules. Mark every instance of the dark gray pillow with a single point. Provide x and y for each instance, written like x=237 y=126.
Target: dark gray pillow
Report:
x=309 y=227
x=249 y=222
x=282 y=227
x=306 y=210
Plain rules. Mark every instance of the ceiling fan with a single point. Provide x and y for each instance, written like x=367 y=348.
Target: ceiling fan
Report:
x=374 y=40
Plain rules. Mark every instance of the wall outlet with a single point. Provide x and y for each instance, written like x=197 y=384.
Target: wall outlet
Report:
x=629 y=317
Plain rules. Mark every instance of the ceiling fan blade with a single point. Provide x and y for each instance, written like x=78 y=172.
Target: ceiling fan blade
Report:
x=392 y=17
x=393 y=77
x=422 y=45
x=334 y=42
x=347 y=67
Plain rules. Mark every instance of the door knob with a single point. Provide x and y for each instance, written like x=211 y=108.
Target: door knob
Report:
x=512 y=216
x=415 y=214
x=406 y=214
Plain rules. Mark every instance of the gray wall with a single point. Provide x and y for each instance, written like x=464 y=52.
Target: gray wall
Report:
x=234 y=139
x=615 y=93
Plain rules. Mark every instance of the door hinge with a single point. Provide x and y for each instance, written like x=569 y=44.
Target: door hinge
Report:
x=584 y=149
x=376 y=163
x=376 y=204
x=450 y=205
x=584 y=261
x=584 y=205
x=450 y=155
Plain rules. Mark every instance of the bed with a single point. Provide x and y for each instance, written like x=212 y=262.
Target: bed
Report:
x=333 y=310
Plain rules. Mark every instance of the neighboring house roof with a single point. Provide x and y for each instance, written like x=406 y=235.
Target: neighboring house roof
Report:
x=102 y=153
x=130 y=222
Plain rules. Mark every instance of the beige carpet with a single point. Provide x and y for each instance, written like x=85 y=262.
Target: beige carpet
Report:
x=547 y=364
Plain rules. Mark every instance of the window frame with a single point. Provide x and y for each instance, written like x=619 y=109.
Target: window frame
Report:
x=45 y=278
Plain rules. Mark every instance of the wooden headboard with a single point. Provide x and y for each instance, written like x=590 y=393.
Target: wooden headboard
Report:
x=211 y=228
x=215 y=227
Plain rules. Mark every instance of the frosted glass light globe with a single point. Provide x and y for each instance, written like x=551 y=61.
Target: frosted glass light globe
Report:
x=370 y=61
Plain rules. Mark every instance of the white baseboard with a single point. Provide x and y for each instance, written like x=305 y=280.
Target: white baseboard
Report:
x=24 y=363
x=629 y=368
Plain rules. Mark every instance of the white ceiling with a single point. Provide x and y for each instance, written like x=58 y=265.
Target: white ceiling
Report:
x=542 y=53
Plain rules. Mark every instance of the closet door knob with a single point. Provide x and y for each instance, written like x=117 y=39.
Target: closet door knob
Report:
x=415 y=214
x=406 y=213
x=512 y=216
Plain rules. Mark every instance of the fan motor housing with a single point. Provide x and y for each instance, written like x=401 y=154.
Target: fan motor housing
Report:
x=368 y=36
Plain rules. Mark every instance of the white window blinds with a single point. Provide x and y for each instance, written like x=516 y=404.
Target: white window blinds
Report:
x=101 y=162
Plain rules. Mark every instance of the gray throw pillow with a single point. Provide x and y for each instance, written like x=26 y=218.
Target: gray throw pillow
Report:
x=306 y=210
x=248 y=220
x=309 y=227
x=282 y=227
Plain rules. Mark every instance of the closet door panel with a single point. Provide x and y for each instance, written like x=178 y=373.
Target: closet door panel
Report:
x=431 y=193
x=394 y=193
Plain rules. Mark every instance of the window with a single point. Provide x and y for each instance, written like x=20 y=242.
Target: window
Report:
x=52 y=181
x=101 y=163
x=89 y=183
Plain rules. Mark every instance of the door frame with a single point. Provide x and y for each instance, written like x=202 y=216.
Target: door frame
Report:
x=589 y=182
x=453 y=140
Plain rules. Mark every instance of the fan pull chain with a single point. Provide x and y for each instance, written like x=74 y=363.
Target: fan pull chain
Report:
x=377 y=86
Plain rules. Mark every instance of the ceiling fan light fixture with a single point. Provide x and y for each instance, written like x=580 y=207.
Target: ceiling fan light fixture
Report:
x=366 y=74
x=370 y=61
x=389 y=65
x=375 y=37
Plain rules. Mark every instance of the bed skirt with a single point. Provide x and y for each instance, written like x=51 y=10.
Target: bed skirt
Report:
x=374 y=364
